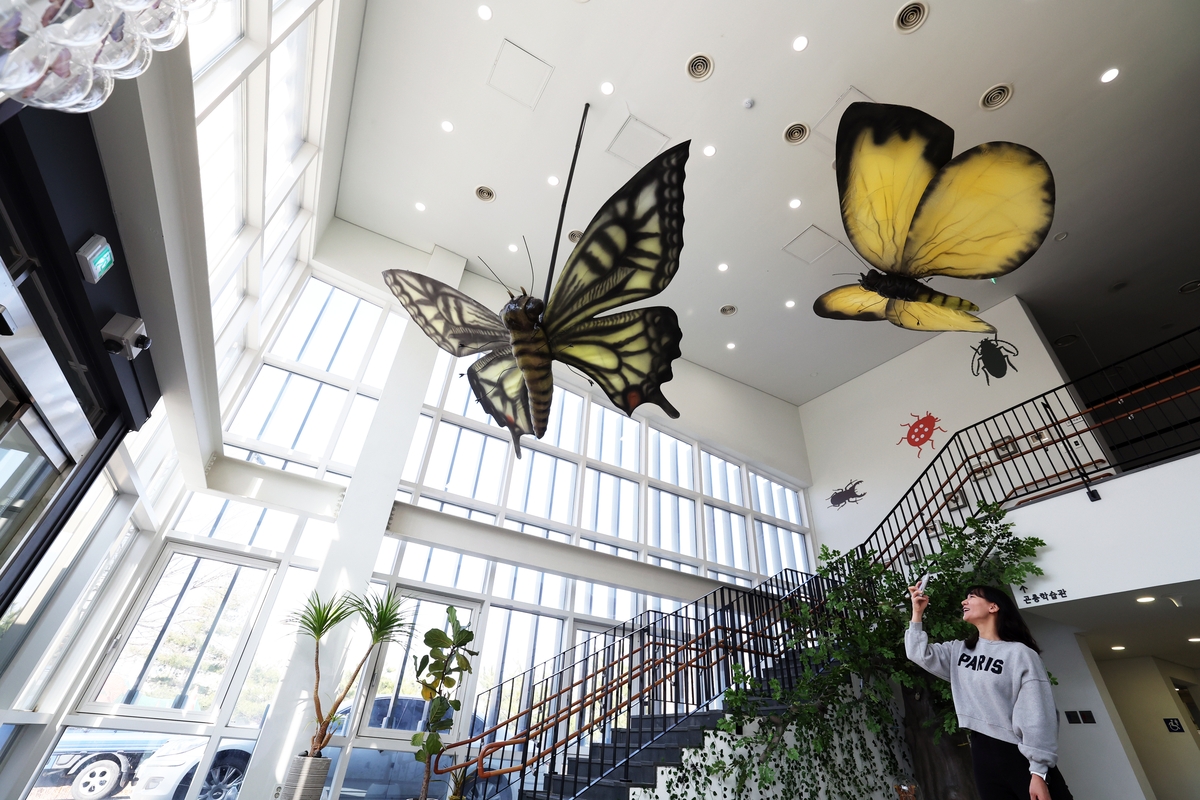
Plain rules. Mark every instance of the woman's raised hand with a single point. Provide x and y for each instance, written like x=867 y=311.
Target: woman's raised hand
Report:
x=919 y=603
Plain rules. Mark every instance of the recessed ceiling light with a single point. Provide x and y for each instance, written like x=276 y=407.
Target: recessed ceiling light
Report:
x=1058 y=237
x=606 y=88
x=710 y=151
x=722 y=267
x=1110 y=75
x=552 y=180
x=790 y=304
x=730 y=346
x=1194 y=639
x=794 y=202
x=447 y=126
x=512 y=248
x=1145 y=599
x=1118 y=647
x=420 y=206
x=799 y=43
x=485 y=13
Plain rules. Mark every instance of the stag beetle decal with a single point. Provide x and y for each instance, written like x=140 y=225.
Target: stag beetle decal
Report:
x=848 y=494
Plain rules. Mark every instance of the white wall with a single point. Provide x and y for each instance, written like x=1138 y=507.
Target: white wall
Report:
x=1096 y=760
x=1144 y=531
x=852 y=431
x=1144 y=696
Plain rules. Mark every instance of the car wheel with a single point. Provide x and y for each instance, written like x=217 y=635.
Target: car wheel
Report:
x=96 y=780
x=224 y=778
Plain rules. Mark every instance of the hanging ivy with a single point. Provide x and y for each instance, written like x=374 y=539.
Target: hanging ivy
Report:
x=837 y=732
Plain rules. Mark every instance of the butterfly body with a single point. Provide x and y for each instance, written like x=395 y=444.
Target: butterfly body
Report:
x=912 y=212
x=629 y=252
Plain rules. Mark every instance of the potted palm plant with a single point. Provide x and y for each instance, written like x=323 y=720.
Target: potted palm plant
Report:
x=386 y=621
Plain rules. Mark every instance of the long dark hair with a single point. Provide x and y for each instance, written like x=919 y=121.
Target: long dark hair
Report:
x=1009 y=624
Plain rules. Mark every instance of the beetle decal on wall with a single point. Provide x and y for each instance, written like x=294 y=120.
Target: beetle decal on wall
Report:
x=848 y=494
x=993 y=357
x=921 y=431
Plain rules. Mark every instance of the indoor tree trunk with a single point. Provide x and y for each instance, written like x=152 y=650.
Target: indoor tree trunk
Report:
x=942 y=769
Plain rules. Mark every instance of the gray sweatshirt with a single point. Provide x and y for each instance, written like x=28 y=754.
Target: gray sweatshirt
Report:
x=1000 y=689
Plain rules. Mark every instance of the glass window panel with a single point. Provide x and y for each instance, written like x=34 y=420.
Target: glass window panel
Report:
x=544 y=486
x=600 y=600
x=611 y=549
x=384 y=355
x=416 y=451
x=513 y=642
x=228 y=360
x=726 y=537
x=390 y=773
x=281 y=220
x=231 y=521
x=289 y=410
x=459 y=397
x=185 y=636
x=610 y=505
x=276 y=268
x=775 y=499
x=314 y=542
x=442 y=567
x=219 y=141
x=530 y=586
x=437 y=379
x=662 y=605
x=670 y=459
x=285 y=106
x=614 y=438
x=76 y=744
x=211 y=34
x=537 y=530
x=566 y=417
x=355 y=429
x=301 y=320
x=672 y=522
x=398 y=704
x=352 y=348
x=227 y=297
x=386 y=558
x=779 y=549
x=323 y=339
x=274 y=650
x=725 y=577
x=722 y=479
x=678 y=566
x=467 y=463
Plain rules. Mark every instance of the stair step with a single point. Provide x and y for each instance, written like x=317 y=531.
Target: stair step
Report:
x=603 y=789
x=641 y=772
x=679 y=737
x=656 y=753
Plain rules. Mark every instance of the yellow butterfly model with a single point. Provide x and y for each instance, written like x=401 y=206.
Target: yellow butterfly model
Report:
x=914 y=212
x=629 y=252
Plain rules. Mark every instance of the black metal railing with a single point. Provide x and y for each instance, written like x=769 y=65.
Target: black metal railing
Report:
x=579 y=718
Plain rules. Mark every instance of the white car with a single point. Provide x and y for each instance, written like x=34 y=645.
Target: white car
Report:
x=168 y=772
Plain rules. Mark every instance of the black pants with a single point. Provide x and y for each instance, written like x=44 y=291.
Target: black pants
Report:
x=1002 y=773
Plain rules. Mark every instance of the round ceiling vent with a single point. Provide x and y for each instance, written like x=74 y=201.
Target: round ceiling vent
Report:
x=911 y=17
x=728 y=310
x=575 y=236
x=485 y=193
x=795 y=133
x=1066 y=341
x=1189 y=287
x=996 y=96
x=700 y=67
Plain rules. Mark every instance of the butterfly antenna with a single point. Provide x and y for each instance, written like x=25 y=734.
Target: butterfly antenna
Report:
x=563 y=212
x=532 y=276
x=580 y=374
x=497 y=277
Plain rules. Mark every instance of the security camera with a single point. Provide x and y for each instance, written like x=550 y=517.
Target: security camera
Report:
x=125 y=336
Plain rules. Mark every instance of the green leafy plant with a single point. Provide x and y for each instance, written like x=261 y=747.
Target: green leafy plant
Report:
x=439 y=672
x=386 y=621
x=459 y=780
x=837 y=733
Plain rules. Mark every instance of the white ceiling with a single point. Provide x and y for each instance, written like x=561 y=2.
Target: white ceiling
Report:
x=1124 y=154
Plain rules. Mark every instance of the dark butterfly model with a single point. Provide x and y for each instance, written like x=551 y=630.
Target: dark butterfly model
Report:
x=629 y=251
x=913 y=212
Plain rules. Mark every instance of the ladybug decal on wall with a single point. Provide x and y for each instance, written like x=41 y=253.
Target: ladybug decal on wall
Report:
x=921 y=431
x=993 y=357
x=848 y=494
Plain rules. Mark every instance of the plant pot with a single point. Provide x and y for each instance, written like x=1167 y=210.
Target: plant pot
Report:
x=305 y=778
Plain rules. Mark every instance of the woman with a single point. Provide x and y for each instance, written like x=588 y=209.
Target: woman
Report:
x=1001 y=694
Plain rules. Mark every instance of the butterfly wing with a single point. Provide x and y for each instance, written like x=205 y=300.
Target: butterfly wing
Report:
x=456 y=323
x=629 y=354
x=630 y=249
x=851 y=302
x=500 y=389
x=921 y=316
x=983 y=215
x=886 y=157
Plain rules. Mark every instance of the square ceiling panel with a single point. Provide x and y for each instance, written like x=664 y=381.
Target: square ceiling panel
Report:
x=519 y=74
x=810 y=245
x=637 y=142
x=826 y=129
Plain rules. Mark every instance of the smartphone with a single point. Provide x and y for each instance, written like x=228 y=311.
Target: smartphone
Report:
x=921 y=583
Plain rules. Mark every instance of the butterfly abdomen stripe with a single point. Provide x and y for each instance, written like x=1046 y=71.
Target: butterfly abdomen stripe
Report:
x=532 y=352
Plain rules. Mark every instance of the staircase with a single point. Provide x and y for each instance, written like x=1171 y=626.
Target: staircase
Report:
x=602 y=717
